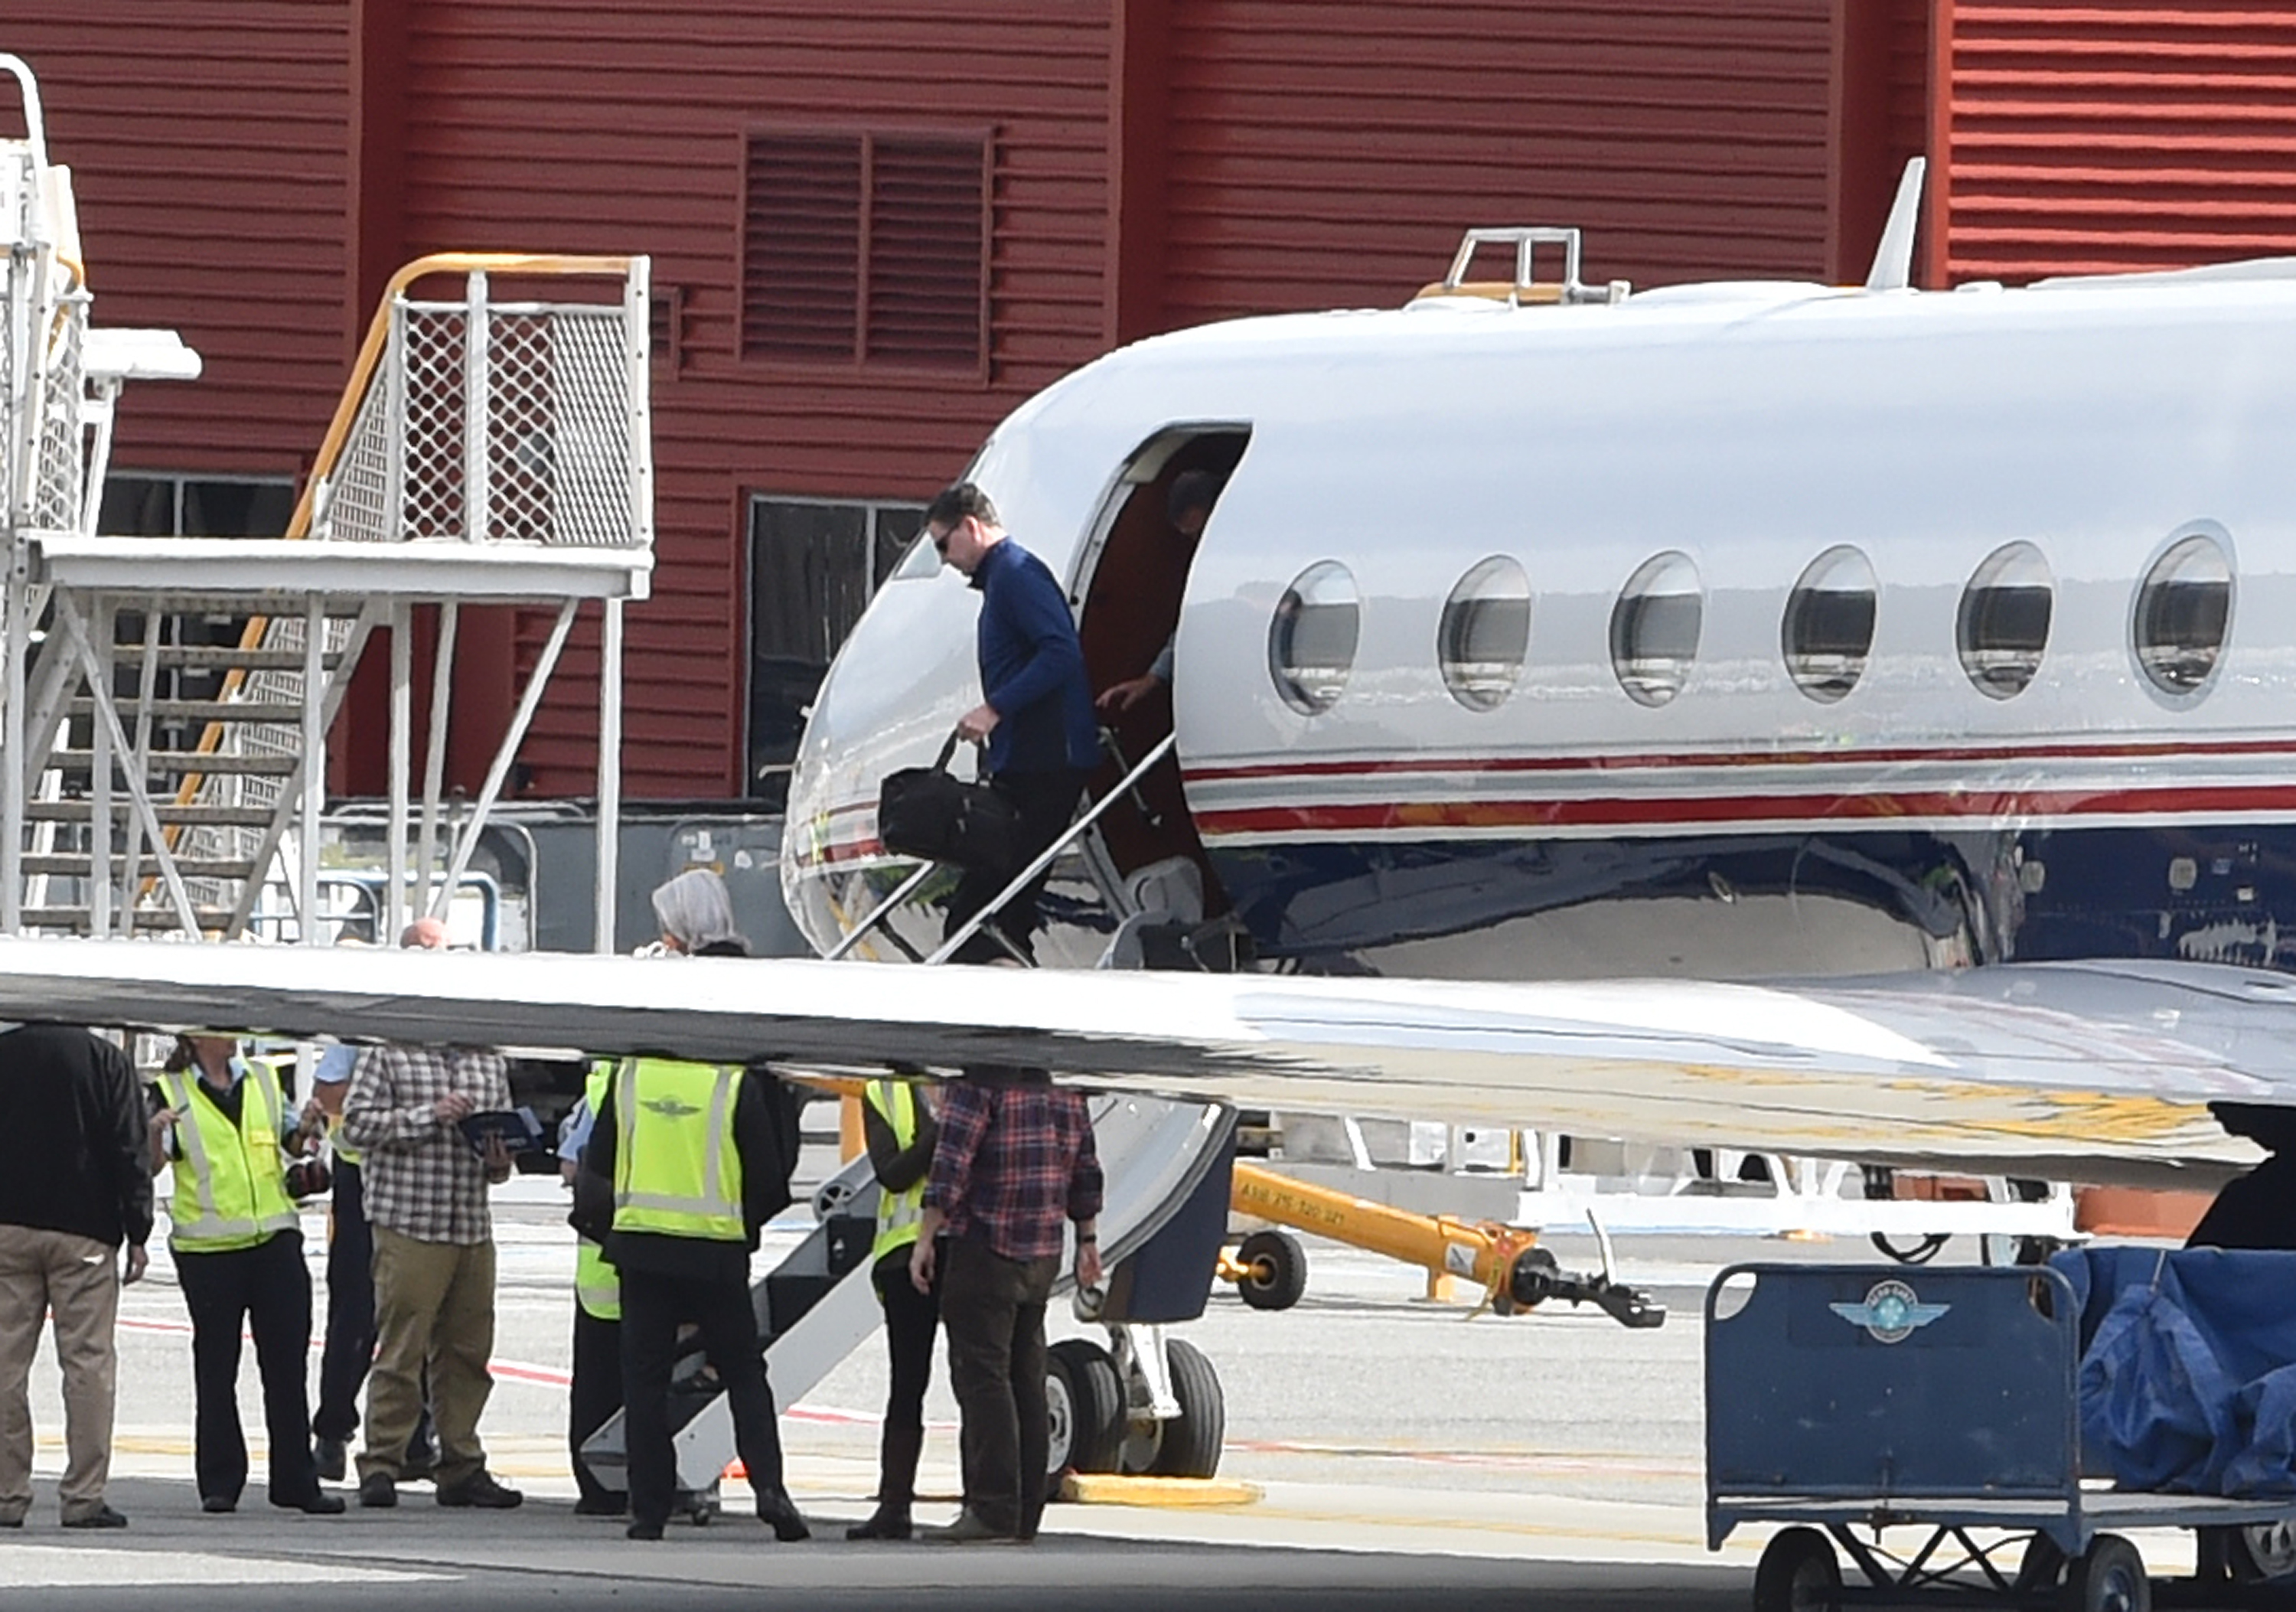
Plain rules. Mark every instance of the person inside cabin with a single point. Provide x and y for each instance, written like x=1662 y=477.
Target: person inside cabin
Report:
x=1188 y=506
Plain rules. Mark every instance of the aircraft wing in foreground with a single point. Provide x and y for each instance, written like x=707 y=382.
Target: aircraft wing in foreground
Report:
x=2090 y=1071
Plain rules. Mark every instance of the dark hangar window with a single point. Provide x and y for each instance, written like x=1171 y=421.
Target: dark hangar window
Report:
x=868 y=249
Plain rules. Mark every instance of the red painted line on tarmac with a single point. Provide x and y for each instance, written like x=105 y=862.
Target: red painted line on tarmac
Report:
x=539 y=1376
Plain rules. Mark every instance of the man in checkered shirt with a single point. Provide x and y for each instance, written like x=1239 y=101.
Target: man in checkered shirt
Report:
x=434 y=1259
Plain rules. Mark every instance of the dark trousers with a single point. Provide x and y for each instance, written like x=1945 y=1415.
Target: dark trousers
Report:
x=652 y=1306
x=1048 y=803
x=994 y=1309
x=266 y=1288
x=349 y=1352
x=911 y=1320
x=350 y=1307
x=596 y=1392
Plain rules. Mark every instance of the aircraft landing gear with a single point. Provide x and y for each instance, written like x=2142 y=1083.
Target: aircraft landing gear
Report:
x=1152 y=1406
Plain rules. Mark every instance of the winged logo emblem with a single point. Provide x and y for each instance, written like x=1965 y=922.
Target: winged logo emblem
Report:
x=670 y=1108
x=1891 y=1312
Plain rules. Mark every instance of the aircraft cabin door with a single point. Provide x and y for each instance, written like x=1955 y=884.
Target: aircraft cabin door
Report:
x=1130 y=582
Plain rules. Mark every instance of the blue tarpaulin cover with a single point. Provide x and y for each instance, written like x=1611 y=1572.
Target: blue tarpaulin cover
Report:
x=2189 y=1368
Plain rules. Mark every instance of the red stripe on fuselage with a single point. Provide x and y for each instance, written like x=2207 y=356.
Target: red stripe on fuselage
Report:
x=1657 y=760
x=1873 y=809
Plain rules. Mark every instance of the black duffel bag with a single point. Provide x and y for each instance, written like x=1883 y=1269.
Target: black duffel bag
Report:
x=922 y=811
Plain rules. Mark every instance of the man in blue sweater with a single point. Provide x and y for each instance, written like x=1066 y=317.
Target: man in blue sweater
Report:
x=1035 y=718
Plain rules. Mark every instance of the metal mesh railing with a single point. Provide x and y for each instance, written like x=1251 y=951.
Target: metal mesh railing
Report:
x=536 y=443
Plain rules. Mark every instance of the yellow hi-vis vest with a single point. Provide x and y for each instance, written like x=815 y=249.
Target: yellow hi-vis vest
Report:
x=676 y=1170
x=231 y=1189
x=898 y=1213
x=597 y=1285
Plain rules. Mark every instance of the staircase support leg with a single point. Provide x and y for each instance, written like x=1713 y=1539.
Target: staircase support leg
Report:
x=99 y=821
x=466 y=841
x=434 y=757
x=610 y=782
x=14 y=777
x=315 y=766
x=402 y=761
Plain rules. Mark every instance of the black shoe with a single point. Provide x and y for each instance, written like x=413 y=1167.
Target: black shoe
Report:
x=968 y=1529
x=613 y=1503
x=480 y=1489
x=378 y=1492
x=887 y=1522
x=779 y=1512
x=103 y=1517
x=643 y=1530
x=216 y=1505
x=313 y=1504
x=333 y=1458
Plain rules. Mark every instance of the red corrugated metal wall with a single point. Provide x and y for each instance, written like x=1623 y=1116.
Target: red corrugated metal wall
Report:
x=1323 y=153
x=208 y=149
x=2094 y=137
x=598 y=127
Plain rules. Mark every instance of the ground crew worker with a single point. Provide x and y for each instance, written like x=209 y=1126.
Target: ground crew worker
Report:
x=897 y=1123
x=697 y=1163
x=596 y=1392
x=238 y=1247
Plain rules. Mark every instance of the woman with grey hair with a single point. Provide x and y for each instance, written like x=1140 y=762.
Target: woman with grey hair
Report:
x=697 y=916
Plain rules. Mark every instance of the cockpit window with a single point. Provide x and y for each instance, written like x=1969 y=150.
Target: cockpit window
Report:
x=2184 y=610
x=1485 y=633
x=1311 y=643
x=1654 y=629
x=1828 y=632
x=2003 y=629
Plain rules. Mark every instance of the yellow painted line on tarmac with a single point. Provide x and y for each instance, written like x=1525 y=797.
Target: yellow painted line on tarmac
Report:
x=1170 y=1493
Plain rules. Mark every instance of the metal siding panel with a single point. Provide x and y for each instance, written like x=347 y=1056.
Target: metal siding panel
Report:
x=207 y=145
x=2095 y=138
x=1323 y=153
x=589 y=126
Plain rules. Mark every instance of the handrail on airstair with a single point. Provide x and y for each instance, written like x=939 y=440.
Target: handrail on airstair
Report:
x=1075 y=832
x=1045 y=859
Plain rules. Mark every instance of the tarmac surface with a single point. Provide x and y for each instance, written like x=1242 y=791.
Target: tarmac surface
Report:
x=1395 y=1446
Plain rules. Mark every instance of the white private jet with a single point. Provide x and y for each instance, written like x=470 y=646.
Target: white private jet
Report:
x=1850 y=721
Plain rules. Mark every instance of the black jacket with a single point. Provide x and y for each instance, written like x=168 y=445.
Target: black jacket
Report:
x=74 y=1152
x=763 y=1134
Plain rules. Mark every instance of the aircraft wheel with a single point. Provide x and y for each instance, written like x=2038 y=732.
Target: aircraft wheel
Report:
x=1190 y=1446
x=2109 y=1576
x=1798 y=1572
x=2262 y=1553
x=1084 y=1404
x=1278 y=1270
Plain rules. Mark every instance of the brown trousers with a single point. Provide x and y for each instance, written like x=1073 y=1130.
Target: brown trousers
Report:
x=77 y=1279
x=434 y=1309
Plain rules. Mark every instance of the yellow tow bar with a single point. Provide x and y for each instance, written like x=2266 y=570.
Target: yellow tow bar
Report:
x=1505 y=1261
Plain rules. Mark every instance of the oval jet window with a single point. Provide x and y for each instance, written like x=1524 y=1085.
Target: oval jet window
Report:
x=1311 y=643
x=1485 y=633
x=2003 y=629
x=1654 y=629
x=2183 y=610
x=1828 y=632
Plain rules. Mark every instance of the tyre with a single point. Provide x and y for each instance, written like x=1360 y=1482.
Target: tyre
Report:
x=2262 y=1553
x=1190 y=1445
x=1798 y=1572
x=1084 y=1405
x=1277 y=1272
x=2109 y=1576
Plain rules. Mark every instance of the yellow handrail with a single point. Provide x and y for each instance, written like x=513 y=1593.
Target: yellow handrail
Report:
x=339 y=430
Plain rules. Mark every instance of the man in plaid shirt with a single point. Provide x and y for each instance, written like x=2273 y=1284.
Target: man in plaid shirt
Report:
x=434 y=1259
x=1014 y=1163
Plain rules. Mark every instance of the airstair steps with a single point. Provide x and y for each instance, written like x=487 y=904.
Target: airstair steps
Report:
x=80 y=809
x=178 y=763
x=193 y=710
x=80 y=865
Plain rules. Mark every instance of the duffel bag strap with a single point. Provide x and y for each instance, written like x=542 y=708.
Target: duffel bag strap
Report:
x=941 y=761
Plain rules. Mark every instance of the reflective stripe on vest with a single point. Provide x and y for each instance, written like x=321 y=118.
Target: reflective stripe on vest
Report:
x=676 y=1170
x=597 y=1285
x=898 y=1213
x=231 y=1190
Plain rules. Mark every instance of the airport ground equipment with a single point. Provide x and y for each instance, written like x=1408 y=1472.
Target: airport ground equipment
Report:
x=1846 y=1400
x=1166 y=1165
x=1505 y=1261
x=493 y=444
